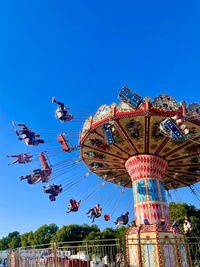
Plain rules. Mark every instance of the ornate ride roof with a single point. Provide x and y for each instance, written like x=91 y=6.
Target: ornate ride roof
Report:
x=137 y=132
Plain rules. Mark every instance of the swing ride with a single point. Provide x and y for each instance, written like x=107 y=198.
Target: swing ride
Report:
x=47 y=170
x=148 y=145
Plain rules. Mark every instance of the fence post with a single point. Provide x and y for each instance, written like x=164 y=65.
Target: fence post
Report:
x=55 y=253
x=18 y=257
x=124 y=252
x=87 y=252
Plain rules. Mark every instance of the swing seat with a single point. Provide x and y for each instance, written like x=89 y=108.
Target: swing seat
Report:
x=58 y=113
x=74 y=209
x=63 y=116
x=73 y=204
x=62 y=140
x=43 y=160
x=107 y=217
x=108 y=133
x=169 y=127
x=130 y=98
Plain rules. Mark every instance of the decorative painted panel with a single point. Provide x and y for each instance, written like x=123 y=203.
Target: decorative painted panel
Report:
x=149 y=253
x=156 y=212
x=163 y=192
x=141 y=191
x=166 y=213
x=183 y=255
x=142 y=213
x=145 y=166
x=153 y=190
x=153 y=211
x=134 y=193
x=169 y=255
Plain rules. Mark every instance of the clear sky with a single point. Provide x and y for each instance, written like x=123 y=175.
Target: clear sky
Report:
x=83 y=52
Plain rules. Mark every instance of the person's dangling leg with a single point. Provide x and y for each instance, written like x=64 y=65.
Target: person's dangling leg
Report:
x=89 y=211
x=19 y=124
x=15 y=161
x=94 y=216
x=59 y=103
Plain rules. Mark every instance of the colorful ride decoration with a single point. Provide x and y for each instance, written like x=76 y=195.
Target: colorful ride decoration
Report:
x=138 y=155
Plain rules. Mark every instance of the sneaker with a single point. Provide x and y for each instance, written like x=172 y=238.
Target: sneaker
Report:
x=53 y=99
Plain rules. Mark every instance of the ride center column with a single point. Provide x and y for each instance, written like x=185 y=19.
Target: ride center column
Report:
x=150 y=204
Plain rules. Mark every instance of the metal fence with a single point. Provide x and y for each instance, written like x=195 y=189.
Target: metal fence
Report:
x=95 y=253
x=100 y=253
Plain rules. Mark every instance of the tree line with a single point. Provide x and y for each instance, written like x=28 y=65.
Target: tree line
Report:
x=51 y=233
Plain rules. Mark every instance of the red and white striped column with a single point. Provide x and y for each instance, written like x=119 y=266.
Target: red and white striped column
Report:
x=146 y=172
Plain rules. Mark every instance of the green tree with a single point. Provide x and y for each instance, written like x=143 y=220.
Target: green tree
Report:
x=108 y=233
x=93 y=236
x=74 y=232
x=4 y=243
x=27 y=239
x=44 y=234
x=14 y=240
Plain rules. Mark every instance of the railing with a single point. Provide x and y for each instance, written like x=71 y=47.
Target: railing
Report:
x=71 y=254
x=100 y=253
x=194 y=249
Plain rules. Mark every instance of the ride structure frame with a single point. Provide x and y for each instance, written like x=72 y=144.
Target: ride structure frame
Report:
x=144 y=159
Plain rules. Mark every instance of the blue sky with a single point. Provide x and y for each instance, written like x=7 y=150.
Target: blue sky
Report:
x=83 y=52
